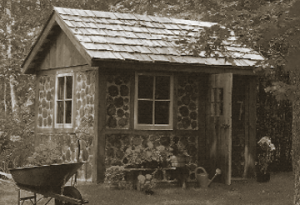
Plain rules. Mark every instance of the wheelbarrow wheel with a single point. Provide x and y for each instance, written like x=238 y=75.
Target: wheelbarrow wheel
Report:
x=69 y=191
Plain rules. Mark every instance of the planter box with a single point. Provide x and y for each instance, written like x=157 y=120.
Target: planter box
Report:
x=179 y=161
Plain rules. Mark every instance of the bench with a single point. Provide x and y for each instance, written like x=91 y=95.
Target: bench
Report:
x=180 y=174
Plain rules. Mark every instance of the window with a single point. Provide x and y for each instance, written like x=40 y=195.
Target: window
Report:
x=64 y=101
x=217 y=101
x=153 y=101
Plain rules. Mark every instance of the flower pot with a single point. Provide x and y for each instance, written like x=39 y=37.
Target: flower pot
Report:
x=178 y=161
x=262 y=177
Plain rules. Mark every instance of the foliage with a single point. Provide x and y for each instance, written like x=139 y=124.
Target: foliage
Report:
x=274 y=119
x=265 y=158
x=114 y=174
x=46 y=155
x=17 y=140
x=149 y=156
x=178 y=149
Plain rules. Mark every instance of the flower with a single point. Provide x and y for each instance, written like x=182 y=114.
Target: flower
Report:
x=265 y=157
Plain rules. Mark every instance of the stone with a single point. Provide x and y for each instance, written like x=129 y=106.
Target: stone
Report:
x=118 y=102
x=40 y=121
x=68 y=155
x=109 y=100
x=124 y=90
x=122 y=122
x=87 y=90
x=184 y=111
x=78 y=104
x=88 y=79
x=194 y=124
x=192 y=106
x=120 y=113
x=41 y=94
x=81 y=112
x=44 y=113
x=113 y=90
x=186 y=99
x=111 y=110
x=186 y=122
x=126 y=100
x=45 y=122
x=193 y=115
x=78 y=78
x=125 y=107
x=112 y=122
x=85 y=154
x=49 y=121
x=88 y=170
x=119 y=154
x=82 y=94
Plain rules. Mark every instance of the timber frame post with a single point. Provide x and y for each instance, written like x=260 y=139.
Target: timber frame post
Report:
x=250 y=127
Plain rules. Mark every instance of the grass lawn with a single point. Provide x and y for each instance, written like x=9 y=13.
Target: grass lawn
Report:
x=279 y=191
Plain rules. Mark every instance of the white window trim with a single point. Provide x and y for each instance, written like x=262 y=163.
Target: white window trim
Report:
x=63 y=125
x=171 y=113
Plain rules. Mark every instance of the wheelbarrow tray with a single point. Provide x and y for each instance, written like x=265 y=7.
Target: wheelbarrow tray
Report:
x=45 y=177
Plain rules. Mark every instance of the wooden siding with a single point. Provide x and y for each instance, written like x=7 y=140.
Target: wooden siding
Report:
x=250 y=127
x=61 y=53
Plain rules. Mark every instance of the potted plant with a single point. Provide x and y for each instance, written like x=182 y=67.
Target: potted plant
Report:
x=180 y=156
x=264 y=159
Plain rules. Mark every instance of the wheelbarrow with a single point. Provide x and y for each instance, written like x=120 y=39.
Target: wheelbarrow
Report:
x=49 y=181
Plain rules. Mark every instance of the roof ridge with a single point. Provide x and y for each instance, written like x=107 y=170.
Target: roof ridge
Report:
x=163 y=19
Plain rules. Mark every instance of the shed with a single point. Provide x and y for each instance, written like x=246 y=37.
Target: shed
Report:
x=116 y=80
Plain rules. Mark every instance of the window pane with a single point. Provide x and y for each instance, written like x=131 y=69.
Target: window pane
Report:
x=60 y=112
x=162 y=87
x=68 y=111
x=60 y=89
x=162 y=112
x=221 y=108
x=145 y=86
x=145 y=109
x=69 y=86
x=212 y=109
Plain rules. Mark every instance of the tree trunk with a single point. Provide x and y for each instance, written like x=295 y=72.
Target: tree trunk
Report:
x=295 y=77
x=13 y=94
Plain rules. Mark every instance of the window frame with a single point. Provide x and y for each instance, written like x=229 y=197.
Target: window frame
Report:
x=217 y=103
x=136 y=99
x=64 y=125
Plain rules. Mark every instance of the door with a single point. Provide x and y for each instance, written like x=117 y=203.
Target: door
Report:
x=220 y=124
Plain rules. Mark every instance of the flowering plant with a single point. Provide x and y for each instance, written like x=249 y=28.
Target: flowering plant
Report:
x=265 y=158
x=114 y=174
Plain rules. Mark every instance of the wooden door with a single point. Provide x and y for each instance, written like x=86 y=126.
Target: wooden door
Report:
x=220 y=124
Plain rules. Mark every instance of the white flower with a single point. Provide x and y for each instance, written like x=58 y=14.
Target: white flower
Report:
x=15 y=138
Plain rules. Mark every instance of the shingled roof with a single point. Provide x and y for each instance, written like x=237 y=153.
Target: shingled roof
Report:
x=103 y=36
